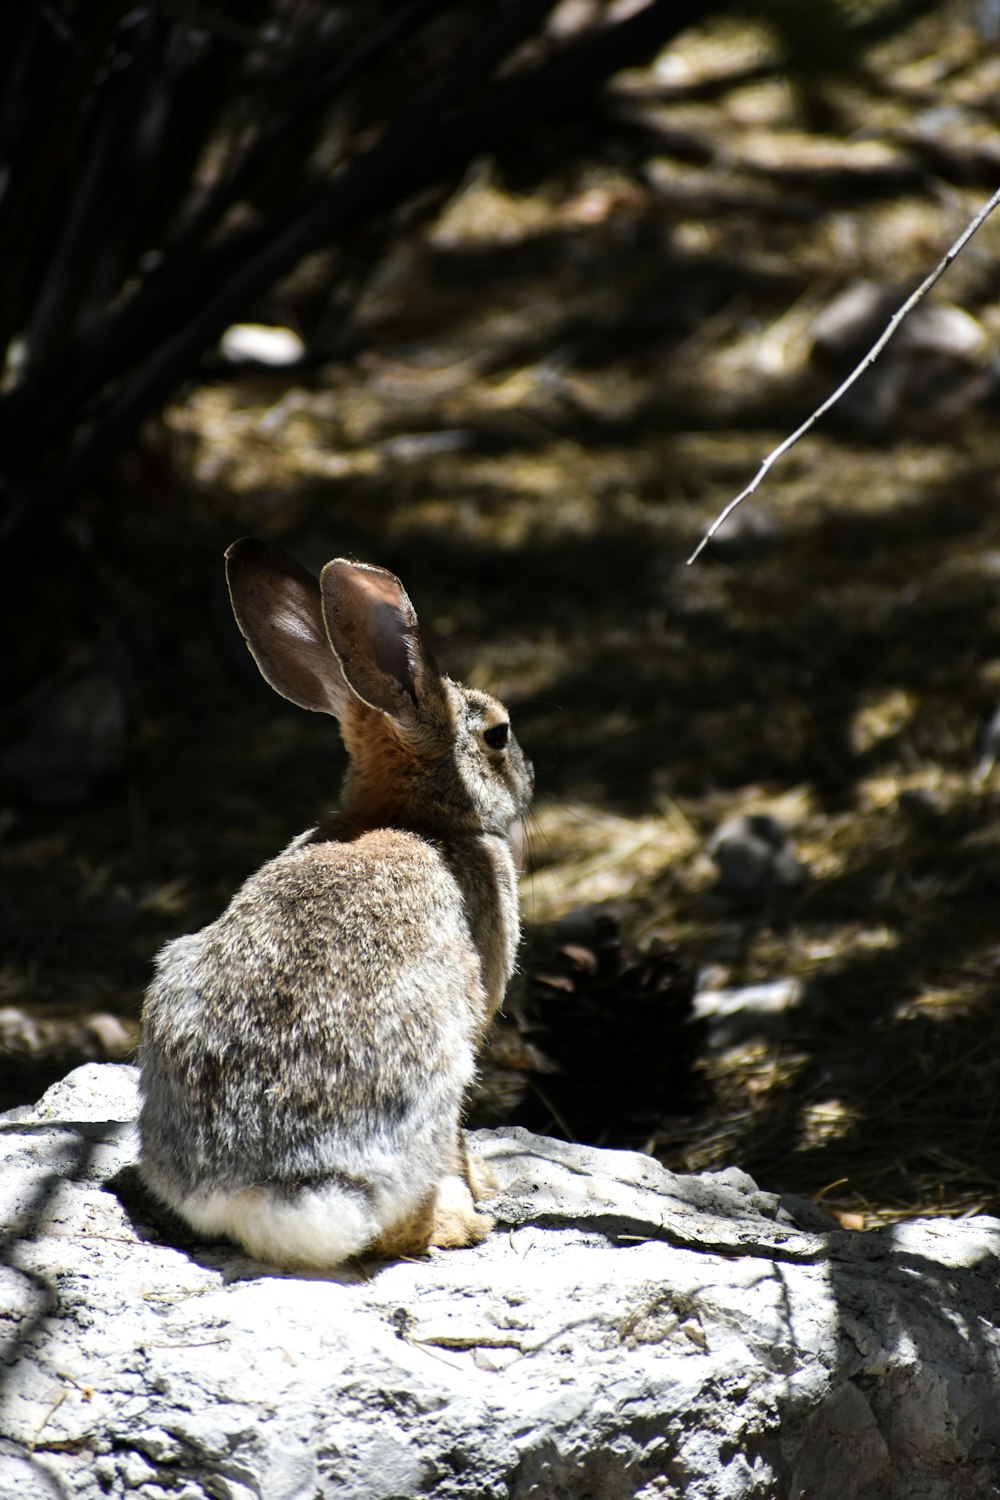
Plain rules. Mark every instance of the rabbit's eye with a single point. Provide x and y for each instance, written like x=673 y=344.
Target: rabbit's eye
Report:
x=496 y=736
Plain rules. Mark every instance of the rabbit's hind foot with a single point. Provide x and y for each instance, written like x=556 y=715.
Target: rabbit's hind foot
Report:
x=446 y=1220
x=456 y=1219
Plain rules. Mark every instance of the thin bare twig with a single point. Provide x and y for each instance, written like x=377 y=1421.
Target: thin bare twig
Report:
x=855 y=374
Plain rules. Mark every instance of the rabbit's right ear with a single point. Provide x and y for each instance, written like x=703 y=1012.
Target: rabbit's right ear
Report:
x=373 y=628
x=278 y=608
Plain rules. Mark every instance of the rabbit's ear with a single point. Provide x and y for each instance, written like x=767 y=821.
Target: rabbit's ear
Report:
x=374 y=630
x=278 y=608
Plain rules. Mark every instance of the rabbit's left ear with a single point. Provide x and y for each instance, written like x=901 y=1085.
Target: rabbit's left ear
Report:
x=374 y=631
x=279 y=611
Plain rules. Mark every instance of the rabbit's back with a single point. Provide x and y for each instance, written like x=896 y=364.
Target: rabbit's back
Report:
x=324 y=1017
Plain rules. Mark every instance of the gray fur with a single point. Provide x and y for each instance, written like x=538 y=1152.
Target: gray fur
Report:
x=305 y=1057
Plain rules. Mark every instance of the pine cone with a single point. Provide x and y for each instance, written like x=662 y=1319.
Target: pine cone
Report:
x=614 y=1027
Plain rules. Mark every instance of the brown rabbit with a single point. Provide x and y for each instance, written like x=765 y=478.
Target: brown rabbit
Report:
x=305 y=1057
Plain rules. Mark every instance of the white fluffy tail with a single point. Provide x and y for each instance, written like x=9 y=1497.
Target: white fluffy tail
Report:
x=316 y=1227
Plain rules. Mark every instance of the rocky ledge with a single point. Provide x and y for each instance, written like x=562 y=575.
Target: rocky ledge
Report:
x=624 y=1332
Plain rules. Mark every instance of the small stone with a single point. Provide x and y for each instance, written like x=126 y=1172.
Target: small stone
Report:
x=932 y=370
x=733 y=1016
x=754 y=857
x=255 y=343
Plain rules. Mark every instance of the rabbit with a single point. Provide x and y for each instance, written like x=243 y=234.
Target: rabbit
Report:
x=304 y=1058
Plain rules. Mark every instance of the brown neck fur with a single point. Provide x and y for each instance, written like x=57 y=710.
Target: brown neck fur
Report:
x=386 y=783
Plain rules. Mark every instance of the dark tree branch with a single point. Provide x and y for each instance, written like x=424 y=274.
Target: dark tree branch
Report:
x=148 y=346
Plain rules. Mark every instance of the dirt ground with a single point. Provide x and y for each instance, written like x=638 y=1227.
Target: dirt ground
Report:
x=560 y=380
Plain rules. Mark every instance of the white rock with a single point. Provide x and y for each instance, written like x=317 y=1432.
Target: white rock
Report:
x=735 y=1016
x=262 y=345
x=624 y=1332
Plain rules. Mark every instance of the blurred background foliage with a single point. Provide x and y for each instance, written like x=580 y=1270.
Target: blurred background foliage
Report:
x=512 y=298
